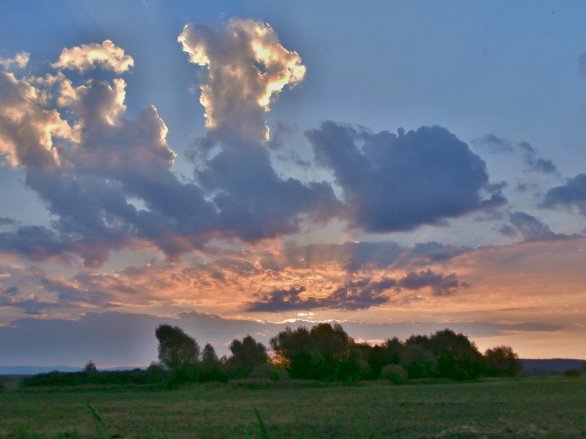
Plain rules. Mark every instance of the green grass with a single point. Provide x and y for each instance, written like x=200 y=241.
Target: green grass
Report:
x=493 y=409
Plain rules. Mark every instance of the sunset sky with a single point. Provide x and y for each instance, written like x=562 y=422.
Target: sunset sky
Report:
x=236 y=167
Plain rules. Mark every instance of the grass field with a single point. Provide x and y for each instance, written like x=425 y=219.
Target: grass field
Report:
x=522 y=408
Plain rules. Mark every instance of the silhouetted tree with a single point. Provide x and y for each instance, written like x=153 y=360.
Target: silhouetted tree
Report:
x=246 y=355
x=209 y=357
x=418 y=361
x=324 y=352
x=502 y=361
x=457 y=357
x=211 y=367
x=392 y=350
x=177 y=350
x=381 y=355
x=90 y=367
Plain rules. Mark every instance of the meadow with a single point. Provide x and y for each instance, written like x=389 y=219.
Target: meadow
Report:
x=487 y=408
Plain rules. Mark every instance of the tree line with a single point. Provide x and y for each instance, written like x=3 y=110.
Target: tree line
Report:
x=324 y=352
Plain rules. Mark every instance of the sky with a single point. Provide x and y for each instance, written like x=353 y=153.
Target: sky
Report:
x=234 y=168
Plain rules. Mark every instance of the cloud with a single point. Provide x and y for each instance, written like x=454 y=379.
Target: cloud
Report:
x=6 y=221
x=508 y=230
x=247 y=66
x=29 y=133
x=530 y=228
x=494 y=144
x=107 y=56
x=89 y=167
x=19 y=61
x=278 y=132
x=441 y=285
x=359 y=294
x=35 y=242
x=29 y=306
x=254 y=202
x=356 y=256
x=107 y=179
x=535 y=163
x=356 y=294
x=398 y=182
x=570 y=195
x=498 y=145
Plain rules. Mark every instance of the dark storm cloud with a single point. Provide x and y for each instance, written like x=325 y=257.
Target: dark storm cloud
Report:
x=570 y=195
x=356 y=294
x=534 y=162
x=399 y=181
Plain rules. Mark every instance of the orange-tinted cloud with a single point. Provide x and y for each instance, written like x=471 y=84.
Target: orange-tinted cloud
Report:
x=89 y=56
x=247 y=66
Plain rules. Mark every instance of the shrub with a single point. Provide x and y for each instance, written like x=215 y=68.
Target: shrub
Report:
x=394 y=373
x=269 y=371
x=502 y=361
x=571 y=373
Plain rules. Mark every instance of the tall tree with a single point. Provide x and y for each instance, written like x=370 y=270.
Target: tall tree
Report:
x=316 y=353
x=177 y=350
x=246 y=355
x=211 y=366
x=457 y=357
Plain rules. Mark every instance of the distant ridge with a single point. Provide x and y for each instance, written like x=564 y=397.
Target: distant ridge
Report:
x=550 y=366
x=34 y=370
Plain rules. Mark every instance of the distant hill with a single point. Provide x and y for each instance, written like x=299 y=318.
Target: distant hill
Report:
x=550 y=367
x=34 y=370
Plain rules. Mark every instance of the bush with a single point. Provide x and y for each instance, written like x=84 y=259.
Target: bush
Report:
x=269 y=371
x=502 y=361
x=114 y=377
x=571 y=373
x=394 y=373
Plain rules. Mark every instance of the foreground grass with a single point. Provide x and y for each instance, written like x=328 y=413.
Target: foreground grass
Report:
x=523 y=408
